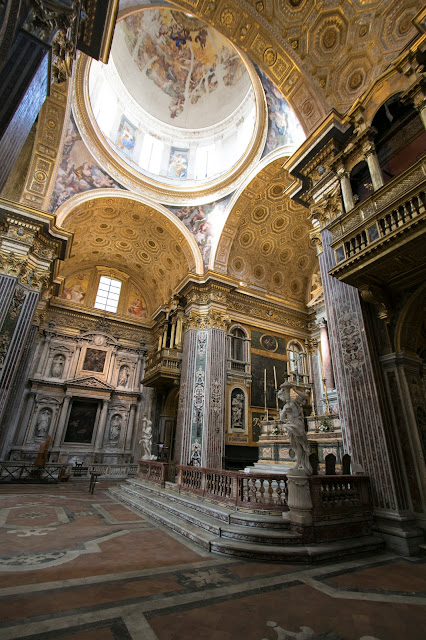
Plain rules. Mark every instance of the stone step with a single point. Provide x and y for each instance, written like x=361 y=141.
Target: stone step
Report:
x=260 y=535
x=298 y=553
x=190 y=501
x=245 y=519
x=183 y=527
x=240 y=534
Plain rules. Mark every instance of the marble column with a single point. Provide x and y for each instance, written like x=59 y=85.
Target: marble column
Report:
x=346 y=188
x=327 y=369
x=29 y=401
x=100 y=435
x=201 y=412
x=130 y=427
x=374 y=166
x=366 y=429
x=62 y=422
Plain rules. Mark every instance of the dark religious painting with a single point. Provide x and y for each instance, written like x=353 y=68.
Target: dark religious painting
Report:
x=258 y=366
x=256 y=425
x=81 y=421
x=266 y=342
x=94 y=360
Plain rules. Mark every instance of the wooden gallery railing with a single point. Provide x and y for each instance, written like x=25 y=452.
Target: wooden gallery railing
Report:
x=245 y=490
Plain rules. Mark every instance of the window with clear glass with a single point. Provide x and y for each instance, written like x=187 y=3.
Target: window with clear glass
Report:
x=108 y=294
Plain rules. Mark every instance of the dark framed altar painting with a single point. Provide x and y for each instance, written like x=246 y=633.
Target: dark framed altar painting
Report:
x=82 y=421
x=94 y=360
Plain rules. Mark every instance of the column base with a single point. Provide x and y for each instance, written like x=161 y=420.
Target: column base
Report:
x=401 y=535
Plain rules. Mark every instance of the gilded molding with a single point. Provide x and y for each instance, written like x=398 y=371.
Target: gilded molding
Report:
x=47 y=149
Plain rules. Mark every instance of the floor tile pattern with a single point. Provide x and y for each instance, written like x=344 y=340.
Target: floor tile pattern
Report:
x=83 y=567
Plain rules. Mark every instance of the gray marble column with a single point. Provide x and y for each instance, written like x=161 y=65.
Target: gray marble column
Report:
x=130 y=427
x=25 y=420
x=62 y=422
x=102 y=424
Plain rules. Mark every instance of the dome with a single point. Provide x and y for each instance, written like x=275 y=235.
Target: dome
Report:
x=177 y=107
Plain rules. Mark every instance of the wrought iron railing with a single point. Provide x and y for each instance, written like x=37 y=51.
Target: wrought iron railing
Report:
x=30 y=472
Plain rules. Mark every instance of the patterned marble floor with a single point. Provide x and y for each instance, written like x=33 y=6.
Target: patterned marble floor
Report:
x=84 y=567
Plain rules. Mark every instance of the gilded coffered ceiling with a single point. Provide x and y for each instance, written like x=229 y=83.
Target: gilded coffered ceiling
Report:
x=265 y=242
x=321 y=55
x=132 y=237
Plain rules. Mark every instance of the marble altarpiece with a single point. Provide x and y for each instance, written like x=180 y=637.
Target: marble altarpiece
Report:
x=85 y=393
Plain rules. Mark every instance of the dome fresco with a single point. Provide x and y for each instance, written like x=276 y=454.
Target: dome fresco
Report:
x=177 y=68
x=176 y=101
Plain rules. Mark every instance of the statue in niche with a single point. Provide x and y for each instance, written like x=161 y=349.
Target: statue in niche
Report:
x=58 y=364
x=146 y=440
x=43 y=423
x=291 y=415
x=237 y=409
x=115 y=428
x=123 y=376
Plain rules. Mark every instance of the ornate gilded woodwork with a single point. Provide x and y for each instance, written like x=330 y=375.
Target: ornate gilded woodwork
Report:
x=319 y=57
x=30 y=244
x=47 y=148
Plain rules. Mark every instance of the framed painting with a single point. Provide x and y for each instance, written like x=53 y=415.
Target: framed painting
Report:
x=81 y=421
x=94 y=360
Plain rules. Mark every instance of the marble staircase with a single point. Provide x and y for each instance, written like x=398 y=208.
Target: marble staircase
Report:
x=218 y=528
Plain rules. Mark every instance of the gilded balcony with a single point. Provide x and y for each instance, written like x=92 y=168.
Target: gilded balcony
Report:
x=163 y=368
x=380 y=241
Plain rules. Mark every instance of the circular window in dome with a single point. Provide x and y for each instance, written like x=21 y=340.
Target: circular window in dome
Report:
x=176 y=107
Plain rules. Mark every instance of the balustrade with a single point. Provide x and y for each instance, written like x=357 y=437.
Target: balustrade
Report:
x=398 y=204
x=254 y=490
x=342 y=495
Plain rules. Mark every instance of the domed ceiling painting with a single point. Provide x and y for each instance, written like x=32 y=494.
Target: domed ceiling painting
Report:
x=181 y=63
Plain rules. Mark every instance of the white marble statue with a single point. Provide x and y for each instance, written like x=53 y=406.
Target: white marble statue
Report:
x=43 y=423
x=58 y=365
x=146 y=440
x=115 y=428
x=291 y=415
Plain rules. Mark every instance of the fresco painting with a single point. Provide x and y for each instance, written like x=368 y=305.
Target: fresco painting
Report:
x=283 y=126
x=75 y=288
x=178 y=163
x=205 y=222
x=136 y=306
x=126 y=137
x=78 y=171
x=178 y=53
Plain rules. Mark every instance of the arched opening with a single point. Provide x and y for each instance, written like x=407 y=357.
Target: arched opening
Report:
x=361 y=182
x=400 y=139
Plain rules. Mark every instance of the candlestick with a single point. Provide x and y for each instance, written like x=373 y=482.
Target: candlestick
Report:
x=275 y=378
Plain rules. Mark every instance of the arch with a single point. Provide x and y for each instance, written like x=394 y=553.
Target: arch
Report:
x=410 y=332
x=67 y=207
